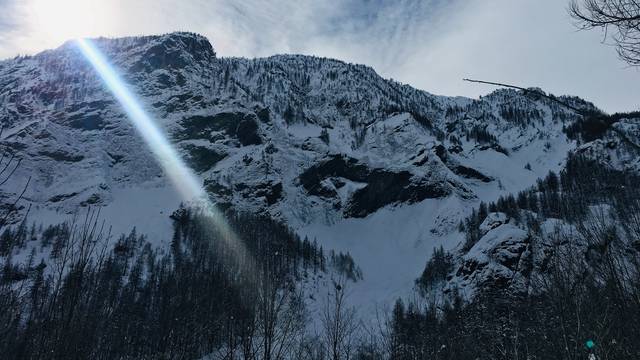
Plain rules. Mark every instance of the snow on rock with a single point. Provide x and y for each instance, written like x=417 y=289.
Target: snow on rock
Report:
x=619 y=147
x=495 y=261
x=492 y=221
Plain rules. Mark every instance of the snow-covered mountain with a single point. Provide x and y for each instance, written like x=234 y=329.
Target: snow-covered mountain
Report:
x=361 y=163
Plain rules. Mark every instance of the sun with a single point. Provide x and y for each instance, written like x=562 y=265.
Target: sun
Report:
x=55 y=21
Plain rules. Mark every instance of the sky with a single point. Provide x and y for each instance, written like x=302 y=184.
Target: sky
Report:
x=429 y=44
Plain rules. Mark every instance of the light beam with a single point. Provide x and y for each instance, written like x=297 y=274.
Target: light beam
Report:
x=185 y=181
x=181 y=176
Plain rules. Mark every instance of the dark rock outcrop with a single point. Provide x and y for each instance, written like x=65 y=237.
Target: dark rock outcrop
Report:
x=383 y=187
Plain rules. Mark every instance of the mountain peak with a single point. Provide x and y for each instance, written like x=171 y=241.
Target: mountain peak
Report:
x=193 y=43
x=172 y=50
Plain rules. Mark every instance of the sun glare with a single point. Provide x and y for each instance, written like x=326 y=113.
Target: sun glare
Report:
x=56 y=21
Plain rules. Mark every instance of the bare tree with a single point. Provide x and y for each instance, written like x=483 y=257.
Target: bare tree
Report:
x=339 y=323
x=280 y=310
x=9 y=163
x=10 y=300
x=622 y=17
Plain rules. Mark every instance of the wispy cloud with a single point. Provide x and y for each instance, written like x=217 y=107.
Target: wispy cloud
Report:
x=430 y=44
x=10 y=18
x=247 y=28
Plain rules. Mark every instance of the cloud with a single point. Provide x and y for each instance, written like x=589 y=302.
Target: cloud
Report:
x=10 y=17
x=430 y=44
x=528 y=44
x=247 y=28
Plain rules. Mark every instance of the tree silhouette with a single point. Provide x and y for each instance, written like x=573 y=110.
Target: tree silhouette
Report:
x=622 y=17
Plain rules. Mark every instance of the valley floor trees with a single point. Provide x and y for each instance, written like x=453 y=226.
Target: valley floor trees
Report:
x=96 y=297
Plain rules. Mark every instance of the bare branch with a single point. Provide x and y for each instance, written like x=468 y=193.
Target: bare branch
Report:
x=12 y=207
x=621 y=15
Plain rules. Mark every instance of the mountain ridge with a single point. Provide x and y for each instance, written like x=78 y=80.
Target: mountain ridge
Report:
x=254 y=129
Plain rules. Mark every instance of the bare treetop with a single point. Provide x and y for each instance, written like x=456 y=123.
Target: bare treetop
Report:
x=620 y=16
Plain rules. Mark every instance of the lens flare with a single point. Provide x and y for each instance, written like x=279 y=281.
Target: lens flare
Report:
x=185 y=181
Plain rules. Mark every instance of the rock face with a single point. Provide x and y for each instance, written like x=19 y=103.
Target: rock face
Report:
x=618 y=147
x=378 y=187
x=492 y=221
x=502 y=258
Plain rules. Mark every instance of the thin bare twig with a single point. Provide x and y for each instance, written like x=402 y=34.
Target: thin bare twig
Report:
x=12 y=207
